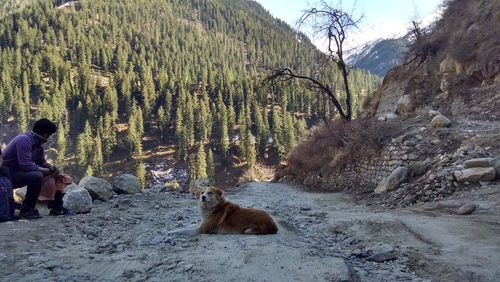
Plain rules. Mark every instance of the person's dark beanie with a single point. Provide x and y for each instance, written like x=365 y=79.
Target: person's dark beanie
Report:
x=43 y=126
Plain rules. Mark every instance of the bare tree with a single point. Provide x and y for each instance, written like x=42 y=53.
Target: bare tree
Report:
x=334 y=24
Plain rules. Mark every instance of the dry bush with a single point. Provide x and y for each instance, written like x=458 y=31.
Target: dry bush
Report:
x=258 y=172
x=337 y=144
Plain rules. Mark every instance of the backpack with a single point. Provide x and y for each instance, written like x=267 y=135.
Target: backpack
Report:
x=6 y=211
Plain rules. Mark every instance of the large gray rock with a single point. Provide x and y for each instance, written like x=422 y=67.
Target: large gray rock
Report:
x=475 y=174
x=78 y=199
x=481 y=162
x=392 y=181
x=98 y=188
x=405 y=105
x=126 y=184
x=440 y=121
x=158 y=188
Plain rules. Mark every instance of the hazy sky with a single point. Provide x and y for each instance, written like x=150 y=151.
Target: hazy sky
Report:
x=381 y=18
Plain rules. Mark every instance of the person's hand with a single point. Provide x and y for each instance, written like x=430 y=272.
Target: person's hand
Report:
x=45 y=171
x=54 y=170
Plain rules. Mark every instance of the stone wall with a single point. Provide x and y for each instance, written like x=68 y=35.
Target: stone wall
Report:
x=365 y=174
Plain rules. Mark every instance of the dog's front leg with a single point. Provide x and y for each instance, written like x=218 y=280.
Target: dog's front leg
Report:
x=187 y=231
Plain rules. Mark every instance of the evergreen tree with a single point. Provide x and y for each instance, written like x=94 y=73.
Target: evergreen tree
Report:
x=97 y=159
x=62 y=145
x=162 y=120
x=211 y=168
x=140 y=172
x=201 y=163
x=250 y=150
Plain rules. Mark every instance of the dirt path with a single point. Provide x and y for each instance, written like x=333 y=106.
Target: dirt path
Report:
x=322 y=237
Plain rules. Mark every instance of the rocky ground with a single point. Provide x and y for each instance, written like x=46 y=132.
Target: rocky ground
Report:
x=321 y=237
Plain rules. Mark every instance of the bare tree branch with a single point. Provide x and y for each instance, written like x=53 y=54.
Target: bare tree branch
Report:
x=282 y=75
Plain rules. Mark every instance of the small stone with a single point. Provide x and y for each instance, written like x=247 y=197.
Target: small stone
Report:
x=434 y=113
x=440 y=121
x=475 y=174
x=481 y=162
x=467 y=209
x=382 y=256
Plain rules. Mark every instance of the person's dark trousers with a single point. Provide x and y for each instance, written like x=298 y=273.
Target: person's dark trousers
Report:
x=57 y=203
x=32 y=179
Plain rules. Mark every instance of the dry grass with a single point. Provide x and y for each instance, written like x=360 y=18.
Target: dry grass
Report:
x=337 y=144
x=258 y=172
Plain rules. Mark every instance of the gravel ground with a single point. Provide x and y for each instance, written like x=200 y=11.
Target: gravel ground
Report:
x=321 y=237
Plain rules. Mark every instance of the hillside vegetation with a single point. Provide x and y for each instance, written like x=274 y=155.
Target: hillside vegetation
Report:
x=435 y=111
x=114 y=74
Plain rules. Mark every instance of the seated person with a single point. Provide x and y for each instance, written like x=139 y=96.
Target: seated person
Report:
x=25 y=158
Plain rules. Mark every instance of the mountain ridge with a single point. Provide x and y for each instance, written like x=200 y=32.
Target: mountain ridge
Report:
x=380 y=55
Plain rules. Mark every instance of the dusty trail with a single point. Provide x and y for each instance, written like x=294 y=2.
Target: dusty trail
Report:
x=322 y=237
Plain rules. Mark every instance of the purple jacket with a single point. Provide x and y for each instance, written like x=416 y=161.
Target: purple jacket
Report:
x=25 y=152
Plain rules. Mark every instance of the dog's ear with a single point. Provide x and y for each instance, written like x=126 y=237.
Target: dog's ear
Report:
x=219 y=191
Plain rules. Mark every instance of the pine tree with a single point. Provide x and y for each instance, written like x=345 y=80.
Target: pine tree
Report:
x=97 y=159
x=192 y=170
x=62 y=144
x=180 y=135
x=162 y=120
x=231 y=114
x=211 y=168
x=201 y=163
x=109 y=136
x=289 y=137
x=277 y=130
x=89 y=171
x=243 y=132
x=250 y=150
x=141 y=173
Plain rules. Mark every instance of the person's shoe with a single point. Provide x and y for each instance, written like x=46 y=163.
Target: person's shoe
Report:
x=29 y=213
x=15 y=218
x=61 y=211
x=12 y=218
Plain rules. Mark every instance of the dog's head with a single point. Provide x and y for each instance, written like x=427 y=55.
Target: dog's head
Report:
x=210 y=197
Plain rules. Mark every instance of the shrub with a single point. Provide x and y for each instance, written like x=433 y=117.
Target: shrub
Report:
x=336 y=144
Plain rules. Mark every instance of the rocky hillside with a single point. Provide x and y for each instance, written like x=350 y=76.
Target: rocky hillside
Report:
x=380 y=56
x=439 y=112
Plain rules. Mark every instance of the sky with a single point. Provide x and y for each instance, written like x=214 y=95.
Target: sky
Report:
x=381 y=18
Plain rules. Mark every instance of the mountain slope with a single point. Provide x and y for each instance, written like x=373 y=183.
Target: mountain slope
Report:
x=165 y=76
x=381 y=55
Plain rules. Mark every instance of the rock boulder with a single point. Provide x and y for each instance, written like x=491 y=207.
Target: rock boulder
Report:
x=126 y=184
x=405 y=106
x=440 y=121
x=475 y=174
x=481 y=162
x=78 y=199
x=392 y=181
x=98 y=188
x=467 y=209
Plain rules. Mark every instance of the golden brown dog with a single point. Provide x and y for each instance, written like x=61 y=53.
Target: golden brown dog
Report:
x=220 y=216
